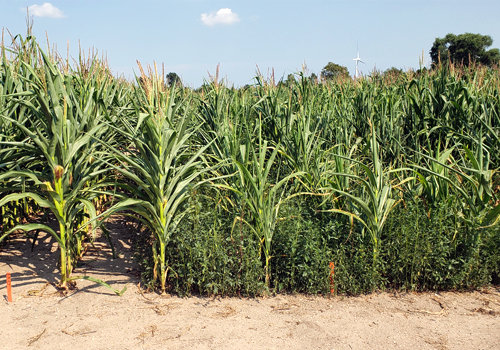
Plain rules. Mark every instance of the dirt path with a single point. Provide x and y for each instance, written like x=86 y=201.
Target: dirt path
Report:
x=93 y=317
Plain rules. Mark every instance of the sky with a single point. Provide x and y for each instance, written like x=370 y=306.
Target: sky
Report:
x=192 y=37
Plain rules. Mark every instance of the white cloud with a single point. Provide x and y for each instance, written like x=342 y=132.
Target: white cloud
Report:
x=45 y=10
x=223 y=16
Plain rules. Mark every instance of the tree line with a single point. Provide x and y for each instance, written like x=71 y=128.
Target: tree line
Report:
x=463 y=49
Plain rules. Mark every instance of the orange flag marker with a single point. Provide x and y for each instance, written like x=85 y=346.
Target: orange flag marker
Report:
x=332 y=273
x=9 y=288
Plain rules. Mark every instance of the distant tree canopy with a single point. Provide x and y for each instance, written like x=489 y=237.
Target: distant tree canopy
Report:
x=173 y=78
x=464 y=48
x=393 y=71
x=290 y=79
x=334 y=71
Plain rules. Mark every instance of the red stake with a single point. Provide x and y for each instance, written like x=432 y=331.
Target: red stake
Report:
x=332 y=273
x=9 y=288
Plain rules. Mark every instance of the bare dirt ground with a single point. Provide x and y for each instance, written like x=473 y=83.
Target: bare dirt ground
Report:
x=93 y=317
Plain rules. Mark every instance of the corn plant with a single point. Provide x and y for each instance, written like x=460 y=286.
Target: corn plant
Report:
x=15 y=79
x=59 y=134
x=435 y=188
x=472 y=182
x=262 y=197
x=376 y=200
x=160 y=166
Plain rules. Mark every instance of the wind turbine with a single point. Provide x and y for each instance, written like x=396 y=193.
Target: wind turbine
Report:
x=357 y=59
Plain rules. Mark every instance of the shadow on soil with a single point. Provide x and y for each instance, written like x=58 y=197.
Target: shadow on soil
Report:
x=30 y=268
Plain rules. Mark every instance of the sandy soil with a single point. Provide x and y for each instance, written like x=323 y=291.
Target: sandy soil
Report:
x=93 y=317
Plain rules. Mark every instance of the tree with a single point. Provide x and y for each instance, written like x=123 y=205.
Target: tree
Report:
x=334 y=71
x=313 y=78
x=290 y=80
x=393 y=72
x=464 y=48
x=173 y=78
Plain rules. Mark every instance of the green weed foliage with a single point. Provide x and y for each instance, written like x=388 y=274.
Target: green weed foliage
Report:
x=344 y=186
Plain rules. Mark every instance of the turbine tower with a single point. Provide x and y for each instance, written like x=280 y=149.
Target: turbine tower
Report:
x=357 y=59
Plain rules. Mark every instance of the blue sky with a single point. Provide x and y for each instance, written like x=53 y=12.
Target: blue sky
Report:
x=190 y=37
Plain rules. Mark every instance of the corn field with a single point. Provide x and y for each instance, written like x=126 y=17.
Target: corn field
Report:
x=392 y=178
